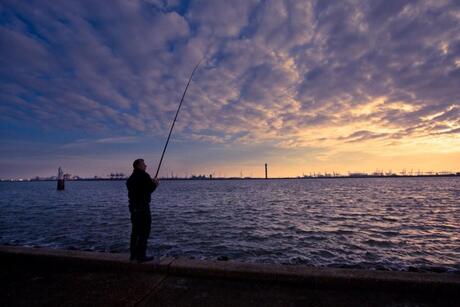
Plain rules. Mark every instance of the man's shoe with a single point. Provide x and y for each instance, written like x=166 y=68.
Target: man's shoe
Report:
x=144 y=259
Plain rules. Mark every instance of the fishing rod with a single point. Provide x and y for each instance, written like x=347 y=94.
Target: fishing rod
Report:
x=175 y=117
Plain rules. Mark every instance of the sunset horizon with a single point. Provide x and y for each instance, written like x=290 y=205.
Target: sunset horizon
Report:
x=307 y=87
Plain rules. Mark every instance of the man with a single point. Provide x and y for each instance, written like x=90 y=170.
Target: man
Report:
x=140 y=185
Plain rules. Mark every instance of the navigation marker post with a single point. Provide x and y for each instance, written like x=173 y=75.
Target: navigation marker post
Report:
x=60 y=180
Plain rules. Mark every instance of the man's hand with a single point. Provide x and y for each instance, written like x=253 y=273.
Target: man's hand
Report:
x=156 y=182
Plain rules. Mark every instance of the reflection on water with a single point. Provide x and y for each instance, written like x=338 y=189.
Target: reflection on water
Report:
x=378 y=223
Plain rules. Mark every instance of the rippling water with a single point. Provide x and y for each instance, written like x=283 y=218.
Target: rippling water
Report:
x=377 y=223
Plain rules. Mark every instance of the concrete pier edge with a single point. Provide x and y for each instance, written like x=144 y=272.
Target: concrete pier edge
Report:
x=309 y=276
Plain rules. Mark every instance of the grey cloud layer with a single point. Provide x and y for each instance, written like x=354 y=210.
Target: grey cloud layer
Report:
x=272 y=68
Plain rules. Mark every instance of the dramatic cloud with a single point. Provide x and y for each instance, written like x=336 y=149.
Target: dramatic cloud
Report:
x=328 y=77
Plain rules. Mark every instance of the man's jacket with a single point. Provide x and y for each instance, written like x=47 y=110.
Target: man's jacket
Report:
x=140 y=186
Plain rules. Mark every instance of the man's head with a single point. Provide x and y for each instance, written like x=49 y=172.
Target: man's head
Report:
x=139 y=164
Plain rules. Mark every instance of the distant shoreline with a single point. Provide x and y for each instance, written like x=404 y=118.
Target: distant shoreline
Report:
x=457 y=175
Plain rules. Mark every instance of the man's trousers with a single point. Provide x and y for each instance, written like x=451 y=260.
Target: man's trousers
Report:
x=141 y=222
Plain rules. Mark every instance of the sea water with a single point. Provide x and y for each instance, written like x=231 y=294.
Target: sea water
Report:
x=373 y=223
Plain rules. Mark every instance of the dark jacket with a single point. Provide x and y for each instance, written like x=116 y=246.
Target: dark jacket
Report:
x=140 y=186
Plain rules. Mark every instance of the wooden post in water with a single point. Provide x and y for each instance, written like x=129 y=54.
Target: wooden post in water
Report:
x=266 y=171
x=60 y=180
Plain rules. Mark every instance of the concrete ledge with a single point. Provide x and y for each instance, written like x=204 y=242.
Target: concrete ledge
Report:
x=75 y=258
x=319 y=277
x=308 y=276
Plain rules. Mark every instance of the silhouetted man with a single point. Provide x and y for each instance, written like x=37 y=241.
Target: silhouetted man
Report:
x=140 y=185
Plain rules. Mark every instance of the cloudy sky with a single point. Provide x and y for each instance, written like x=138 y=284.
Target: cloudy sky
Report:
x=306 y=86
